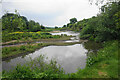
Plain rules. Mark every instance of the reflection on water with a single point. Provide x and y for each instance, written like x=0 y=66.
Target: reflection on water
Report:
x=69 y=57
x=73 y=39
x=67 y=33
x=92 y=46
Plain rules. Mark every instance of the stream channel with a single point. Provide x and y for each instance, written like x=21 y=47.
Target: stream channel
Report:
x=71 y=57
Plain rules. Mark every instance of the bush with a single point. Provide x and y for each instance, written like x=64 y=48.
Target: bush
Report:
x=37 y=68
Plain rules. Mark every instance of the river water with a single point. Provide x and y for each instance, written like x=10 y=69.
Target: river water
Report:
x=69 y=57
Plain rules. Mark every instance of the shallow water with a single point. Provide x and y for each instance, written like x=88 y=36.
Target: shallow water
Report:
x=69 y=57
x=67 y=32
x=73 y=39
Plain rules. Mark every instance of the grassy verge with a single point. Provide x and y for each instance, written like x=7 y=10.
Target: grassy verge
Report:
x=104 y=65
x=29 y=36
x=14 y=51
x=36 y=40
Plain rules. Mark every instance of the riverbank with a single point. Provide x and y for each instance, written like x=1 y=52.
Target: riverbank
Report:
x=20 y=47
x=19 y=50
x=104 y=65
x=17 y=42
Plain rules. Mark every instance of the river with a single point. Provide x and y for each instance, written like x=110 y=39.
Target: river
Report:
x=70 y=57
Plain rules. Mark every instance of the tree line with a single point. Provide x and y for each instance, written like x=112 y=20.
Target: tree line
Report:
x=12 y=22
x=104 y=26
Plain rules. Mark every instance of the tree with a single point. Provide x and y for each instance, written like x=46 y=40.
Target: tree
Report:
x=42 y=27
x=105 y=26
x=97 y=2
x=73 y=20
x=14 y=22
x=56 y=27
x=64 y=26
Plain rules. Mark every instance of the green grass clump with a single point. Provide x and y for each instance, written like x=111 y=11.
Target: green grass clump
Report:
x=27 y=36
x=37 y=68
x=13 y=51
x=104 y=65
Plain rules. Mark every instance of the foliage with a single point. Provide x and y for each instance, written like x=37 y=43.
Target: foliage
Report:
x=105 y=26
x=106 y=61
x=56 y=27
x=73 y=20
x=37 y=68
x=14 y=22
x=27 y=36
x=75 y=26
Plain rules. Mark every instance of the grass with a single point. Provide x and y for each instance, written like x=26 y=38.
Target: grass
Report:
x=104 y=65
x=36 y=40
x=29 y=36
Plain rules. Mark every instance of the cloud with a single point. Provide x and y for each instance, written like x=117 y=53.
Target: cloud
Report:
x=51 y=12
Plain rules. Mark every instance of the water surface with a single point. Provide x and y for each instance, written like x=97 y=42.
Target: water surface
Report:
x=69 y=57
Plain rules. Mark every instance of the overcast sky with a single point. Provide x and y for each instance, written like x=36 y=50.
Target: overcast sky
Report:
x=51 y=12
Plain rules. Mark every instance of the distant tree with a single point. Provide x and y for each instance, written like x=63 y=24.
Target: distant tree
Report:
x=42 y=27
x=64 y=26
x=12 y=22
x=56 y=27
x=31 y=24
x=73 y=20
x=97 y=2
x=68 y=24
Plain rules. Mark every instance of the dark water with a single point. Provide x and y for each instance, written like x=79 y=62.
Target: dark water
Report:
x=69 y=57
x=92 y=46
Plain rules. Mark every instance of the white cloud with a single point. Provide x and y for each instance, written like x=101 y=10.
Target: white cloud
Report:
x=58 y=12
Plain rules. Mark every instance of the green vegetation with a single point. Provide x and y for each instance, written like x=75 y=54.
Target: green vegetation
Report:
x=14 y=22
x=28 y=36
x=35 y=69
x=104 y=65
x=17 y=29
x=75 y=26
x=105 y=26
